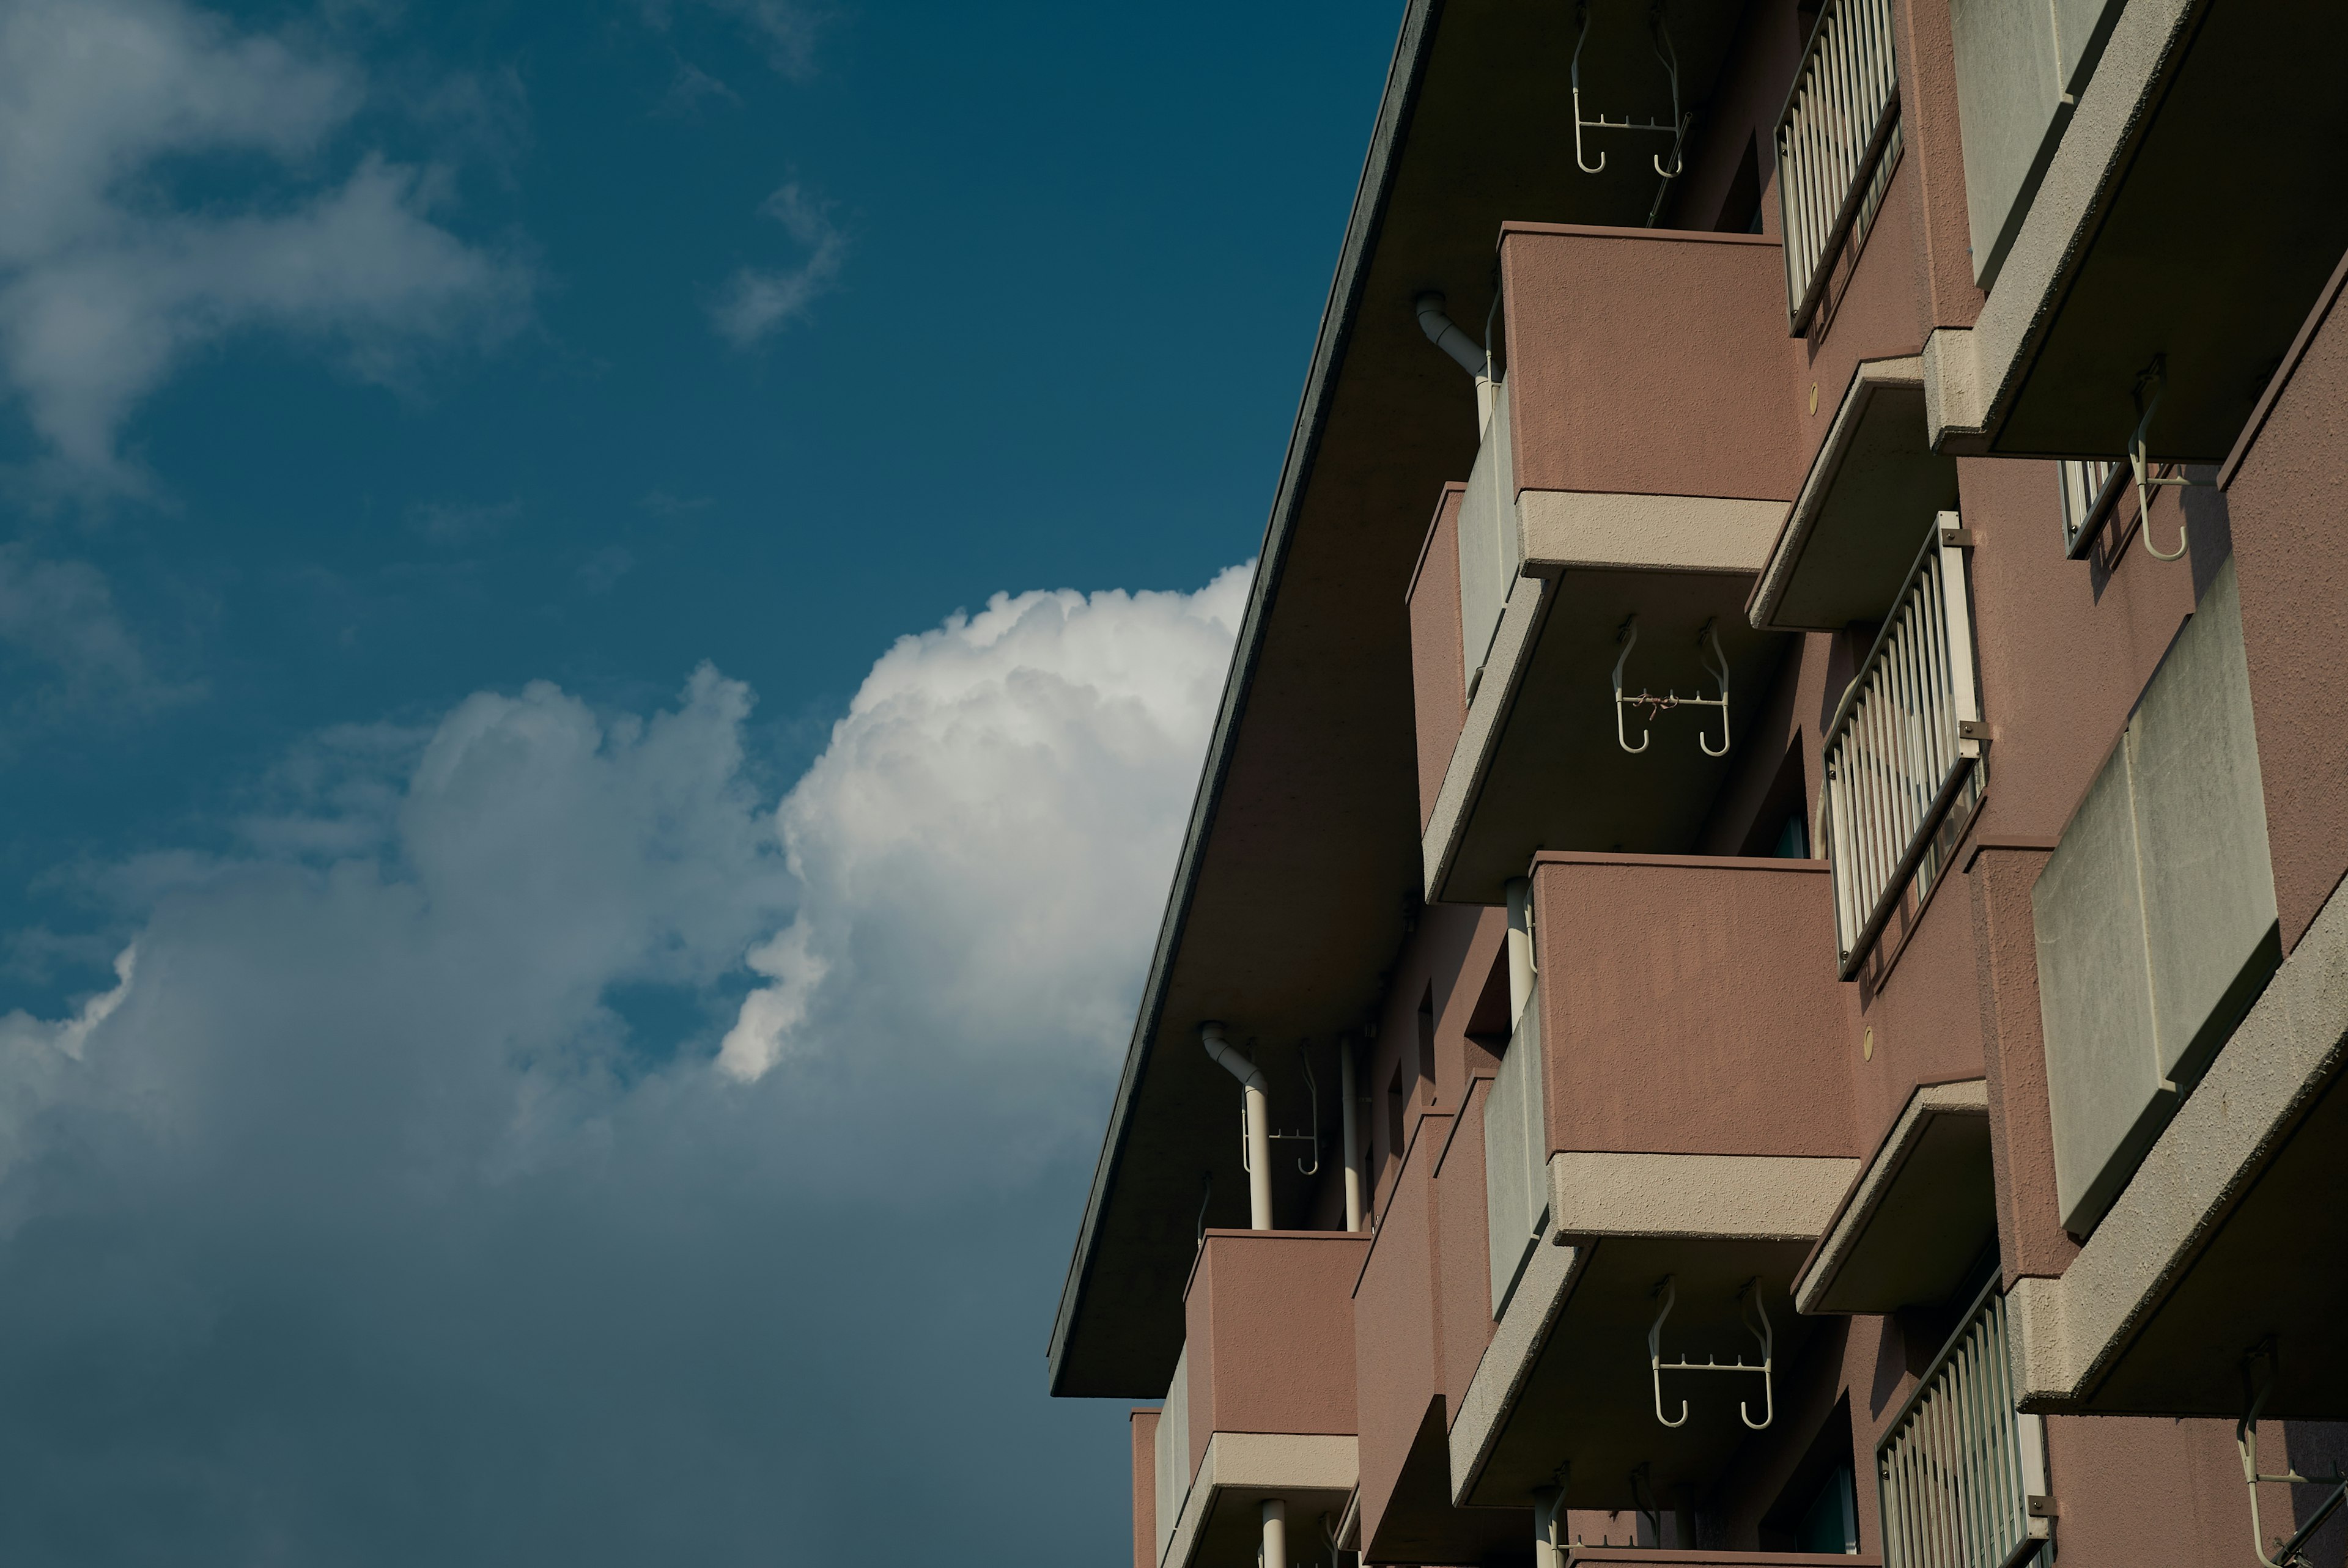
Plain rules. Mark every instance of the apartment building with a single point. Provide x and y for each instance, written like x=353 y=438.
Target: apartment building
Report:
x=1759 y=968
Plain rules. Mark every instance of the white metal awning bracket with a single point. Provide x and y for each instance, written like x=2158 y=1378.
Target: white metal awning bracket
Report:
x=2155 y=376
x=1755 y=1316
x=2291 y=1553
x=1660 y=29
x=1714 y=660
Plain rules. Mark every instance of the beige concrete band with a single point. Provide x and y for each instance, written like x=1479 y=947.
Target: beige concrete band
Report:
x=1566 y=530
x=1260 y=1461
x=1707 y=1197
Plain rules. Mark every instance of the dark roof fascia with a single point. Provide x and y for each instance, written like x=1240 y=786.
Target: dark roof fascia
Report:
x=1404 y=78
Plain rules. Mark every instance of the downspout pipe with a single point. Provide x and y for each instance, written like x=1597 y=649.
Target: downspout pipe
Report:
x=1275 y=1534
x=1466 y=351
x=1257 y=1147
x=1548 y=1527
x=1352 y=1134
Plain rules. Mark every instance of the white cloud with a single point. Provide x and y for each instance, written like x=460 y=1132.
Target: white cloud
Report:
x=757 y=301
x=984 y=847
x=109 y=280
x=392 y=1205
x=21 y=1033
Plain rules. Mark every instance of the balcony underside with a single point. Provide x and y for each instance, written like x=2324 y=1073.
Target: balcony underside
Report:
x=2214 y=134
x=1545 y=712
x=1588 y=1401
x=1919 y=1215
x=1872 y=492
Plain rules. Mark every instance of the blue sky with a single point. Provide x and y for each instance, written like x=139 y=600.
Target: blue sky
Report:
x=606 y=619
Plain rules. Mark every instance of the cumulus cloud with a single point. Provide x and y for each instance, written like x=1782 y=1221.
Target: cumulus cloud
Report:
x=111 y=275
x=985 y=845
x=757 y=301
x=435 y=1181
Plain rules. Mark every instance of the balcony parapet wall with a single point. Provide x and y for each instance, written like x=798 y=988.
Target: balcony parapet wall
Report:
x=1270 y=1315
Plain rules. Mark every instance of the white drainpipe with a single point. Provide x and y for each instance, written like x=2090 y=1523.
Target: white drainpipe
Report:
x=1548 y=1527
x=1445 y=335
x=1275 y=1534
x=1352 y=1135
x=1520 y=946
x=1258 y=1146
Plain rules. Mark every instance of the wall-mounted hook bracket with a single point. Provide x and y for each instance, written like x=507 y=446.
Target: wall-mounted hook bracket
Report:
x=2155 y=376
x=2291 y=1553
x=1311 y=1098
x=1659 y=28
x=1714 y=660
x=1754 y=1314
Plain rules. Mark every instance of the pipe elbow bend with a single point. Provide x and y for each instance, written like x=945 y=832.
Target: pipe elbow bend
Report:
x=1445 y=334
x=1211 y=1035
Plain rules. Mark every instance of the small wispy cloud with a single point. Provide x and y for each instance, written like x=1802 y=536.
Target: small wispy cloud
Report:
x=690 y=87
x=59 y=617
x=668 y=507
x=599 y=572
x=784 y=30
x=759 y=301
x=107 y=284
x=461 y=522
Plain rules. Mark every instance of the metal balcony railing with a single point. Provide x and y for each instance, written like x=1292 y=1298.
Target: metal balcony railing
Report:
x=2088 y=491
x=1961 y=1468
x=1903 y=745
x=1836 y=126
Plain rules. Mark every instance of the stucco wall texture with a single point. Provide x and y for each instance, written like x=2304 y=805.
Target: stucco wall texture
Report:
x=1144 y=1427
x=1437 y=671
x=2291 y=555
x=1685 y=1009
x=1648 y=362
x=1270 y=1320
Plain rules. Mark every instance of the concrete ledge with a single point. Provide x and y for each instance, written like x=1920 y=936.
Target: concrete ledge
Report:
x=1562 y=530
x=1785 y=552
x=1272 y=1462
x=1721 y=1197
x=2069 y=1330
x=1504 y=668
x=1508 y=1361
x=1969 y=1098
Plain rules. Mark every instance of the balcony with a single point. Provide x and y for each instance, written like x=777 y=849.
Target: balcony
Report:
x=1683 y=1095
x=2155 y=195
x=1642 y=447
x=1261 y=1403
x=1963 y=1474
